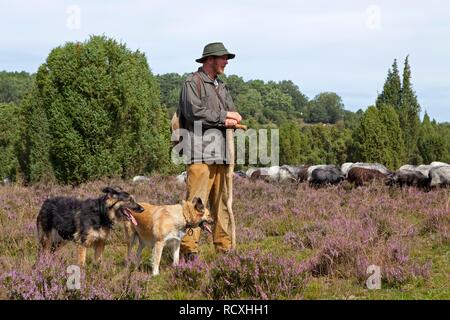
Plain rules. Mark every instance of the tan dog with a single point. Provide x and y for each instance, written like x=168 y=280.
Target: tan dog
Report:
x=157 y=226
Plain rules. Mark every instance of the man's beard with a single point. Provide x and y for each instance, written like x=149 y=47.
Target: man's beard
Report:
x=218 y=69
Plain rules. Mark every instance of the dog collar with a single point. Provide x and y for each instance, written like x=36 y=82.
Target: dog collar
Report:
x=189 y=231
x=114 y=204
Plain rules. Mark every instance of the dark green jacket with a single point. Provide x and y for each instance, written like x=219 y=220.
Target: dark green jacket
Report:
x=201 y=101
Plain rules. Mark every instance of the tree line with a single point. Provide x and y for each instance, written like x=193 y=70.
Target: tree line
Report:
x=320 y=130
x=94 y=109
x=264 y=103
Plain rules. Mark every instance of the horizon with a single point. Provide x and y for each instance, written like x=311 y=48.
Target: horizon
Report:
x=346 y=48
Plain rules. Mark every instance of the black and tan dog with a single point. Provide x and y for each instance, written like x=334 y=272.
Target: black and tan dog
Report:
x=157 y=226
x=86 y=222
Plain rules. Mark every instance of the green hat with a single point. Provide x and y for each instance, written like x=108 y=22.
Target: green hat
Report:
x=215 y=49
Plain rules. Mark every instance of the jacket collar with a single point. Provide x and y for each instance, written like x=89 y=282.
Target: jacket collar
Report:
x=205 y=77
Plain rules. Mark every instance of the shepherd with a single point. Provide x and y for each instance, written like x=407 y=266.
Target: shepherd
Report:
x=207 y=113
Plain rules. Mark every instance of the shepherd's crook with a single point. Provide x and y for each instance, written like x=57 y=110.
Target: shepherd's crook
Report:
x=229 y=180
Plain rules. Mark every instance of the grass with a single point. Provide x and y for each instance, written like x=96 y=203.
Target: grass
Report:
x=328 y=236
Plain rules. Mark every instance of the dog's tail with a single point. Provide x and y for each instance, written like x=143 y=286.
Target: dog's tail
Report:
x=40 y=233
x=43 y=236
x=46 y=235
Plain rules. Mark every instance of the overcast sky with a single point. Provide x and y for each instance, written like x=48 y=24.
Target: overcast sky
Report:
x=340 y=46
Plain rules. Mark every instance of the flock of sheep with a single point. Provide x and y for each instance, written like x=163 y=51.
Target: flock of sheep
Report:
x=359 y=173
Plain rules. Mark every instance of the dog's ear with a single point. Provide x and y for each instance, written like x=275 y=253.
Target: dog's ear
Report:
x=198 y=204
x=108 y=190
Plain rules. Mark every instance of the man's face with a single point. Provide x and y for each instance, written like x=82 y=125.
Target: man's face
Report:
x=218 y=64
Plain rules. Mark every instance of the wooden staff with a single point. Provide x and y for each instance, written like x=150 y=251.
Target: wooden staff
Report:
x=229 y=179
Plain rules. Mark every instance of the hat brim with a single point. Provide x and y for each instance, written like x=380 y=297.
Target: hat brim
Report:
x=230 y=56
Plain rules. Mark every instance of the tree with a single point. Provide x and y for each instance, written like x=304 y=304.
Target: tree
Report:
x=400 y=94
x=258 y=85
x=35 y=139
x=170 y=87
x=430 y=143
x=249 y=104
x=10 y=126
x=326 y=107
x=352 y=119
x=391 y=94
x=293 y=144
x=443 y=131
x=395 y=146
x=299 y=100
x=328 y=143
x=275 y=116
x=275 y=99
x=371 y=139
x=409 y=116
x=235 y=85
x=94 y=111
x=316 y=113
x=14 y=86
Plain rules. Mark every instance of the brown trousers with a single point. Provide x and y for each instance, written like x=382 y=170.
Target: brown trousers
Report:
x=207 y=181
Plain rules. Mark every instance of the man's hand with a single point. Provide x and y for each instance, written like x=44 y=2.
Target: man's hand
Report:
x=234 y=115
x=229 y=123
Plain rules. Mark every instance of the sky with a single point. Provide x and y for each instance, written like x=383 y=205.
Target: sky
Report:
x=345 y=46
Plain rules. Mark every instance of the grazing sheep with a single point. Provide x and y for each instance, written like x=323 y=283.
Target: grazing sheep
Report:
x=359 y=176
x=410 y=178
x=138 y=179
x=374 y=166
x=319 y=166
x=324 y=176
x=440 y=176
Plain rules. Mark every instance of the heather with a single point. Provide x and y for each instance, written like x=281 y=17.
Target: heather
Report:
x=294 y=242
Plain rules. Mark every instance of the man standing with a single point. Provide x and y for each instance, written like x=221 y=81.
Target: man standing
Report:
x=206 y=102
